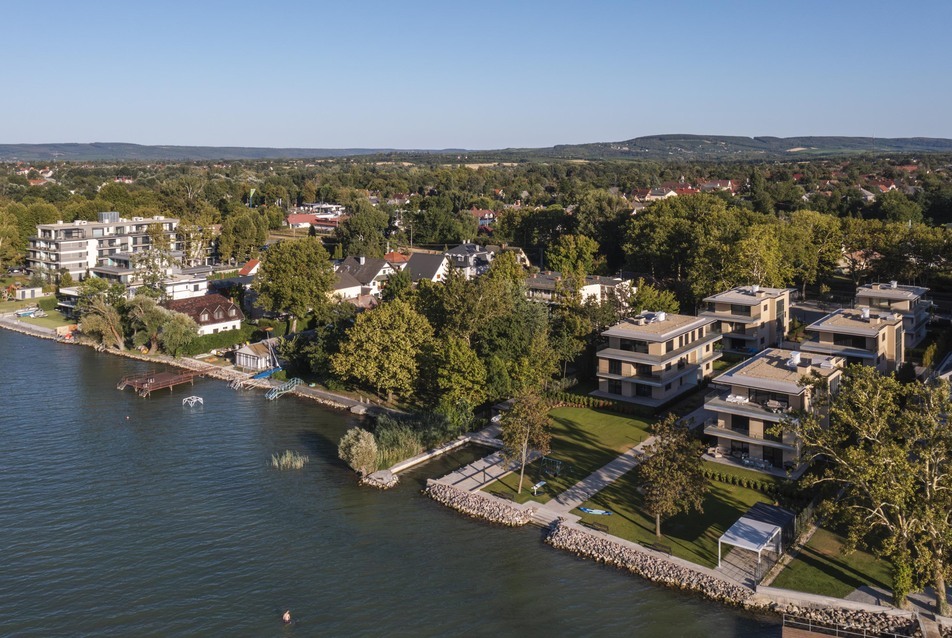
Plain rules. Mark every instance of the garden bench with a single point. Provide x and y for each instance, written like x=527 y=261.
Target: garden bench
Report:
x=537 y=487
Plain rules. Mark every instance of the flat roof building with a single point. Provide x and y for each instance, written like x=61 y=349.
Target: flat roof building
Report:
x=908 y=301
x=655 y=357
x=859 y=335
x=750 y=318
x=760 y=393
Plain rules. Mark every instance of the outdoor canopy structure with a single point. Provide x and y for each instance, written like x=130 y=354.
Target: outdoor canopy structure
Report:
x=751 y=534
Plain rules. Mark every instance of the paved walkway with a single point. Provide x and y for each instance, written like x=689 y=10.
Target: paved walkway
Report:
x=598 y=480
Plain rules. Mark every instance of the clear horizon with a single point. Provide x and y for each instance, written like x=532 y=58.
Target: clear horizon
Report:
x=425 y=75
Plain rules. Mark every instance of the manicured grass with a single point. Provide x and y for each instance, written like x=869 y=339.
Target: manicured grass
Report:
x=692 y=536
x=584 y=439
x=824 y=567
x=53 y=319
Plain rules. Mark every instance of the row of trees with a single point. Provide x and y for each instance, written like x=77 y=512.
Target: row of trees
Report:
x=140 y=322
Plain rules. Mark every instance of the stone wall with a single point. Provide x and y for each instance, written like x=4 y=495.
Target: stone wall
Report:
x=657 y=570
x=479 y=505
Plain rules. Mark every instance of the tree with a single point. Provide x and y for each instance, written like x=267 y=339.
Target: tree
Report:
x=358 y=449
x=644 y=297
x=889 y=450
x=460 y=380
x=525 y=428
x=362 y=234
x=382 y=349
x=573 y=254
x=146 y=319
x=672 y=477
x=399 y=285
x=178 y=331
x=102 y=320
x=295 y=277
x=10 y=252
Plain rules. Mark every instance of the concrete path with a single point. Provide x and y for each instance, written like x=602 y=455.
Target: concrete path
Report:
x=481 y=473
x=598 y=480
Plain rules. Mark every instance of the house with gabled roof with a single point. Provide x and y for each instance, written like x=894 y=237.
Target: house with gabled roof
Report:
x=428 y=266
x=213 y=313
x=346 y=286
x=371 y=272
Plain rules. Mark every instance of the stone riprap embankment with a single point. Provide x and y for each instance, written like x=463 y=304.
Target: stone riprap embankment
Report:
x=382 y=480
x=860 y=622
x=657 y=570
x=479 y=505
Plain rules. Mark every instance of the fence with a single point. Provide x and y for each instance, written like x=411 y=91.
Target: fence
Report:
x=834 y=629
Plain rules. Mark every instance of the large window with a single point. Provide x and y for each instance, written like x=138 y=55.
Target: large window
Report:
x=614 y=366
x=630 y=345
x=737 y=309
x=642 y=390
x=614 y=387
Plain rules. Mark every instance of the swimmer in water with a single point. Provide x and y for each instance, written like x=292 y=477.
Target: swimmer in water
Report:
x=286 y=617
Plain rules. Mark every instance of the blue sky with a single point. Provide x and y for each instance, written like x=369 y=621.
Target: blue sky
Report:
x=470 y=75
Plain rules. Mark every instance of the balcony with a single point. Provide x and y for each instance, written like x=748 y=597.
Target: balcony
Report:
x=713 y=428
x=828 y=347
x=767 y=410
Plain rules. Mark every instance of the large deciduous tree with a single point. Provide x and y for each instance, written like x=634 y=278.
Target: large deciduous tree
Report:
x=382 y=349
x=889 y=450
x=672 y=477
x=295 y=277
x=525 y=428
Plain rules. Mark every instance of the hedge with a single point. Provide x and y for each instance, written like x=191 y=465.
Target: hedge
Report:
x=226 y=339
x=585 y=401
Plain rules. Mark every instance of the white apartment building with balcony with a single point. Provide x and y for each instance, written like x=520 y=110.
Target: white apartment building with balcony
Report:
x=78 y=247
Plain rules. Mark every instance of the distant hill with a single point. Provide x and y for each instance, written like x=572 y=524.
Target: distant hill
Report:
x=722 y=147
x=117 y=151
x=652 y=147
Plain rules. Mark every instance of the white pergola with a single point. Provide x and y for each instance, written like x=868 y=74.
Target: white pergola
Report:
x=752 y=535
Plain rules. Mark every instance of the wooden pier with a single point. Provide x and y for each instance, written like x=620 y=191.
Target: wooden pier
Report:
x=144 y=384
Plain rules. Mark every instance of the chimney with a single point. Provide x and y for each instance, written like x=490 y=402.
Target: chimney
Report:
x=362 y=260
x=661 y=316
x=865 y=313
x=893 y=284
x=755 y=288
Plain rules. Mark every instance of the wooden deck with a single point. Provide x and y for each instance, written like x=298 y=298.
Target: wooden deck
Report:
x=144 y=384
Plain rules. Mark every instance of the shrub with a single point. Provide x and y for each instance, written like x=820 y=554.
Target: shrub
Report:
x=358 y=449
x=288 y=460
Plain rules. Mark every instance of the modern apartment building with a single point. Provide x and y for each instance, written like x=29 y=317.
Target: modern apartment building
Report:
x=79 y=246
x=859 y=335
x=761 y=392
x=908 y=301
x=655 y=357
x=750 y=318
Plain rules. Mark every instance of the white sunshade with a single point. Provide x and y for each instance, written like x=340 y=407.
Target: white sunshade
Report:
x=749 y=534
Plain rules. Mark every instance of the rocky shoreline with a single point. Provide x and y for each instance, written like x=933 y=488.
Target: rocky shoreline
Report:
x=478 y=505
x=602 y=549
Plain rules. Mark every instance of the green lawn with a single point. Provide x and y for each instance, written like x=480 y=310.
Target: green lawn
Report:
x=584 y=439
x=824 y=567
x=53 y=319
x=691 y=536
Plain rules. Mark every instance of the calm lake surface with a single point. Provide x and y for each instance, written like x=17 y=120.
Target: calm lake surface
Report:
x=122 y=516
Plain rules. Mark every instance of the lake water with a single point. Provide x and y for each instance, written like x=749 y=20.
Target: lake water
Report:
x=122 y=516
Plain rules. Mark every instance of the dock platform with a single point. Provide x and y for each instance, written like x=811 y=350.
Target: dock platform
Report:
x=144 y=384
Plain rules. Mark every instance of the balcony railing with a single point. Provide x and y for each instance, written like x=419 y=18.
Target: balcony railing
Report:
x=716 y=429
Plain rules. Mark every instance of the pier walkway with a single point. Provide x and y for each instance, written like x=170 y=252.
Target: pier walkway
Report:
x=144 y=384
